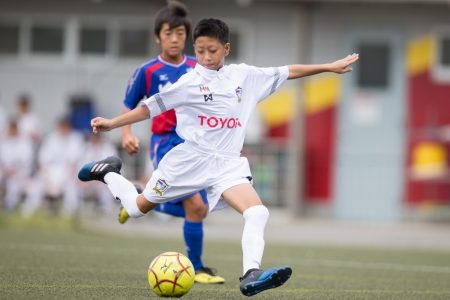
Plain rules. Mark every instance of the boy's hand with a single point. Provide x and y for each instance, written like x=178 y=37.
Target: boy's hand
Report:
x=101 y=124
x=344 y=65
x=130 y=143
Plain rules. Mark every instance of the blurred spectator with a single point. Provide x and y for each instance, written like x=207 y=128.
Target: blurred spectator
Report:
x=2 y=129
x=16 y=157
x=28 y=122
x=58 y=159
x=3 y=122
x=97 y=148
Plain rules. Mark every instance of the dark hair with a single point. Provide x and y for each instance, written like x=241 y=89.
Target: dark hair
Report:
x=174 y=13
x=24 y=99
x=65 y=120
x=13 y=121
x=213 y=28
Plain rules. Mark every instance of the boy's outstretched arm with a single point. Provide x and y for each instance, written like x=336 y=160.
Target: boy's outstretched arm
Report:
x=340 y=66
x=140 y=113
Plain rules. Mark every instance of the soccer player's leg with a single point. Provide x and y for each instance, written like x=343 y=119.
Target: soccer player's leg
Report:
x=160 y=145
x=123 y=214
x=244 y=199
x=174 y=208
x=196 y=210
x=108 y=172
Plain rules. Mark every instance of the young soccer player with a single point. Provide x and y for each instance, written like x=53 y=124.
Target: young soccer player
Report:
x=213 y=104
x=171 y=30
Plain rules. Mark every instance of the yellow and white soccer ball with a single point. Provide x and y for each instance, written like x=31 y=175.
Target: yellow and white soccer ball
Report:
x=171 y=274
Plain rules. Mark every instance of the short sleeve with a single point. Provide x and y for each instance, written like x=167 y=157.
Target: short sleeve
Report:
x=170 y=99
x=136 y=89
x=265 y=81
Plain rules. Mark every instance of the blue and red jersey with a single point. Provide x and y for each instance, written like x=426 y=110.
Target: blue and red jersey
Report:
x=152 y=77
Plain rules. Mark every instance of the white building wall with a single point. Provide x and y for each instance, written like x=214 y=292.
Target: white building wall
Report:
x=269 y=37
x=331 y=22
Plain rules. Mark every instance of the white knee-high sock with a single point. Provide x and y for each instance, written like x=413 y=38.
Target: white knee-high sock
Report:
x=124 y=191
x=253 y=236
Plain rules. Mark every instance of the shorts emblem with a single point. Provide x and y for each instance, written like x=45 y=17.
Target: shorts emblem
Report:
x=160 y=187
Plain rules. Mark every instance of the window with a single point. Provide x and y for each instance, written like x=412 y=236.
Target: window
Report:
x=47 y=40
x=373 y=70
x=445 y=52
x=9 y=37
x=441 y=68
x=93 y=41
x=134 y=43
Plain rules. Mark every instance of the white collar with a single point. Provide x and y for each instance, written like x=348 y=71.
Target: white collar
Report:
x=161 y=59
x=209 y=74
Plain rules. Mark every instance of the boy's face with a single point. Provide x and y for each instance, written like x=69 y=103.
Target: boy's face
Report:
x=13 y=130
x=64 y=128
x=210 y=52
x=172 y=40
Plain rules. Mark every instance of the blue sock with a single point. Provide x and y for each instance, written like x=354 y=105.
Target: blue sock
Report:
x=193 y=237
x=173 y=209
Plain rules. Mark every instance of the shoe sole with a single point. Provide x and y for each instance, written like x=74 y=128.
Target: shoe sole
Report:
x=277 y=278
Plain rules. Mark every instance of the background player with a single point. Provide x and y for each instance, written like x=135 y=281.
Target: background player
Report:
x=58 y=159
x=16 y=164
x=213 y=105
x=171 y=29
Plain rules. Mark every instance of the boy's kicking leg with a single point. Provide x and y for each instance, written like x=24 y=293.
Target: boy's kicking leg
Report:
x=108 y=171
x=244 y=199
x=135 y=205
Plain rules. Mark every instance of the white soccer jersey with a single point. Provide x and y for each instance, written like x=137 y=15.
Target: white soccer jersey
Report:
x=16 y=153
x=213 y=107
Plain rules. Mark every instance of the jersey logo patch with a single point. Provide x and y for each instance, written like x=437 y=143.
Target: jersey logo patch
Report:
x=239 y=93
x=163 y=77
x=160 y=187
x=207 y=95
x=205 y=89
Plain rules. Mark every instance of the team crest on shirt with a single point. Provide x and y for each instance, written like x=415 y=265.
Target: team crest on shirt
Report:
x=239 y=93
x=160 y=187
x=163 y=77
x=207 y=95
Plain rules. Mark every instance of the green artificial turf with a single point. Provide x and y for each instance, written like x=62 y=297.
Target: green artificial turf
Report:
x=63 y=262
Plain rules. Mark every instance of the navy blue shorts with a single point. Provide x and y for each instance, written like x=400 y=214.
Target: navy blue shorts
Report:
x=160 y=144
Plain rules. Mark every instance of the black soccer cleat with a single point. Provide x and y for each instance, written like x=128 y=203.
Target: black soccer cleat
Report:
x=97 y=170
x=256 y=280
